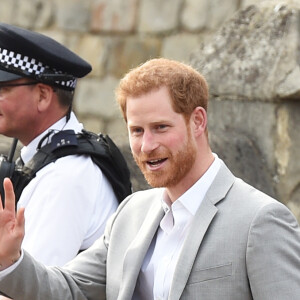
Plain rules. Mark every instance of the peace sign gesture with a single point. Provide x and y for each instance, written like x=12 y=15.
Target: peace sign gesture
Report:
x=12 y=226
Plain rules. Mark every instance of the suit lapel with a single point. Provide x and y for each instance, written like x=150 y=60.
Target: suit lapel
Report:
x=199 y=226
x=136 y=252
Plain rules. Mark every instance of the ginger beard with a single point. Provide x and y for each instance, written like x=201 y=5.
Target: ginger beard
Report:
x=179 y=164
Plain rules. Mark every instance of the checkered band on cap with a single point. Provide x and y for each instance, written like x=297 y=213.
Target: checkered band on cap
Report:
x=29 y=66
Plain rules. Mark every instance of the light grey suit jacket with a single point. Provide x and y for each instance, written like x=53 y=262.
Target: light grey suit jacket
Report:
x=242 y=245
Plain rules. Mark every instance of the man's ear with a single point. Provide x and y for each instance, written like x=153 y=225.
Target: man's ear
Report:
x=199 y=120
x=45 y=96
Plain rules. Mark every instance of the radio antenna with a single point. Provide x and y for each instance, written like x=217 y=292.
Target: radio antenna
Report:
x=12 y=150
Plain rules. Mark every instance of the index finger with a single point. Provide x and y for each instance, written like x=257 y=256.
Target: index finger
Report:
x=9 y=195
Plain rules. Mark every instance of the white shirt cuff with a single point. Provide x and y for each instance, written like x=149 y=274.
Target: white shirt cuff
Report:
x=12 y=267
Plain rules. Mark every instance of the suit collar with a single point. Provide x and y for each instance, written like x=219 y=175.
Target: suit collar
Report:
x=221 y=185
x=193 y=197
x=201 y=222
x=137 y=250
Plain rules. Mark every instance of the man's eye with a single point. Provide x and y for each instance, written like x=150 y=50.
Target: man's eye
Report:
x=162 y=127
x=136 y=131
x=2 y=89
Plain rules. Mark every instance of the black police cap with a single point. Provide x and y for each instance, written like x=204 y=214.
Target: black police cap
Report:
x=25 y=53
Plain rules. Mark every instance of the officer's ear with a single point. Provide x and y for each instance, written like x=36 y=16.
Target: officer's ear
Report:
x=45 y=96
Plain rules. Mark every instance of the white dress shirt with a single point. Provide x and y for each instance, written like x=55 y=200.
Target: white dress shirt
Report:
x=66 y=205
x=157 y=271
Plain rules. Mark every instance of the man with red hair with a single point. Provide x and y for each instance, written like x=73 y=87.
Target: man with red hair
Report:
x=200 y=233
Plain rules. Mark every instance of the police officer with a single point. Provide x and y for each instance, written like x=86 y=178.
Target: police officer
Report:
x=37 y=81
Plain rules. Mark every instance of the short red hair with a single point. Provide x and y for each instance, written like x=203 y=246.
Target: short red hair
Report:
x=188 y=88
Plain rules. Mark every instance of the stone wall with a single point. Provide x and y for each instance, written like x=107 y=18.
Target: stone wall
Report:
x=253 y=111
x=252 y=66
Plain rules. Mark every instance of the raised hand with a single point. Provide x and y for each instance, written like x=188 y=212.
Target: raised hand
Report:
x=11 y=228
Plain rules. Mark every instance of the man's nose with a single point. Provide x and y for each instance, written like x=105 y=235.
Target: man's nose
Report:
x=149 y=142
